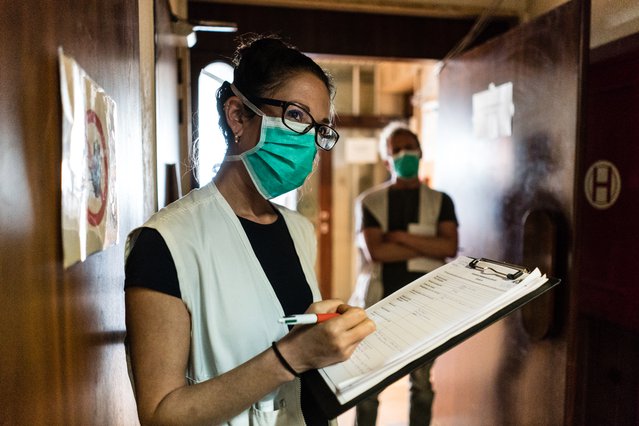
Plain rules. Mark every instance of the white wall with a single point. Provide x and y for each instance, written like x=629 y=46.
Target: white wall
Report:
x=147 y=87
x=612 y=20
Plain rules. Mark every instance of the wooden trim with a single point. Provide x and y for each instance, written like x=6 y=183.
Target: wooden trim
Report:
x=325 y=228
x=615 y=49
x=364 y=121
x=415 y=8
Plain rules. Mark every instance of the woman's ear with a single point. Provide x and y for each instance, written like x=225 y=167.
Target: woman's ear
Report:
x=234 y=111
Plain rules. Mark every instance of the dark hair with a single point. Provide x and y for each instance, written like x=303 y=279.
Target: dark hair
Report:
x=391 y=129
x=262 y=64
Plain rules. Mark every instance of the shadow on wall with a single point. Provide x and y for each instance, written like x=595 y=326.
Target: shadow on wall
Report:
x=536 y=234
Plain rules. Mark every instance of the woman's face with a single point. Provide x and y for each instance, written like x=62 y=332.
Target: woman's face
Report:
x=304 y=89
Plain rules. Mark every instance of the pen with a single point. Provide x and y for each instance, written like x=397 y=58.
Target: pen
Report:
x=307 y=318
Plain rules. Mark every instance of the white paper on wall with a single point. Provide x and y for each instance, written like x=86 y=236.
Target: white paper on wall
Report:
x=493 y=111
x=359 y=150
x=89 y=202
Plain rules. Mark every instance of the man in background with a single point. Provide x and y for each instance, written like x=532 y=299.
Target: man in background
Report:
x=405 y=229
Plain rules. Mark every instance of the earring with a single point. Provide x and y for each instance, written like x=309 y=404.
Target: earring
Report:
x=237 y=139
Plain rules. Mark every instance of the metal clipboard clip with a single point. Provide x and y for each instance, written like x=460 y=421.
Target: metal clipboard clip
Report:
x=501 y=269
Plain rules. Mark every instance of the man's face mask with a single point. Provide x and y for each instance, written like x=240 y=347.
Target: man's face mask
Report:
x=406 y=164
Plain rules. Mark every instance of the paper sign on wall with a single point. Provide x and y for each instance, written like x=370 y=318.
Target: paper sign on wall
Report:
x=361 y=150
x=89 y=203
x=493 y=110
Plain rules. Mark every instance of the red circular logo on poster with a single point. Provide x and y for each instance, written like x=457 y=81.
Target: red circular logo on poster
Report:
x=98 y=162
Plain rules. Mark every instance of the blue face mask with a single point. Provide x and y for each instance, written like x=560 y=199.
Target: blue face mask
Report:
x=282 y=159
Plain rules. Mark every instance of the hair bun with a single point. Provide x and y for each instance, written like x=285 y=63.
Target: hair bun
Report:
x=265 y=44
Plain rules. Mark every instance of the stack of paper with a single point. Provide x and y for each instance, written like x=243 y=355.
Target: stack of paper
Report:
x=424 y=315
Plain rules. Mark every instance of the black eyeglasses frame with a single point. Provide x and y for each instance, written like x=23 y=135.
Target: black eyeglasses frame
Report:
x=285 y=104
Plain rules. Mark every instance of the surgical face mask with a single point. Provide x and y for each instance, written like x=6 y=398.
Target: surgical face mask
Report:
x=282 y=159
x=406 y=164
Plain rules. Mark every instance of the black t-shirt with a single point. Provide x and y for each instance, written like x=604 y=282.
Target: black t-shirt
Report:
x=403 y=208
x=151 y=265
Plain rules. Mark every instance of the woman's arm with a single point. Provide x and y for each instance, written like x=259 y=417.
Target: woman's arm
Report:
x=158 y=328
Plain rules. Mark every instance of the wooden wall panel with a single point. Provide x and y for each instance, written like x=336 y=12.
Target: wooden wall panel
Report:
x=507 y=375
x=167 y=103
x=607 y=290
x=62 y=359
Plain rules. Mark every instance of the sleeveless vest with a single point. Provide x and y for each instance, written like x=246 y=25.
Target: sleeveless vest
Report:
x=220 y=275
x=369 y=288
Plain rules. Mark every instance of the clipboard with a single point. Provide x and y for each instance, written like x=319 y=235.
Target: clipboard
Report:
x=328 y=402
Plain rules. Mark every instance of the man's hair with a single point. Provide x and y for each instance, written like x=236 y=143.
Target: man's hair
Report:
x=389 y=131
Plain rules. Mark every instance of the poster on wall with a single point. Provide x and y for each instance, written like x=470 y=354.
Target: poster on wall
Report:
x=493 y=112
x=89 y=202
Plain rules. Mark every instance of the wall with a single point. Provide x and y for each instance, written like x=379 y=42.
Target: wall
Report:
x=612 y=20
x=62 y=358
x=148 y=99
x=607 y=306
x=167 y=106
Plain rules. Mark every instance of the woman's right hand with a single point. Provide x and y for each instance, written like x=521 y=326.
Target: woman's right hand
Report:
x=314 y=346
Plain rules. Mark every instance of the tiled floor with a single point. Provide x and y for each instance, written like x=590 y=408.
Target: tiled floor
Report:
x=393 y=407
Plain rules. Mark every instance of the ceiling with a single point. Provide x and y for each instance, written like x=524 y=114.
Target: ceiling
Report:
x=436 y=8
x=611 y=19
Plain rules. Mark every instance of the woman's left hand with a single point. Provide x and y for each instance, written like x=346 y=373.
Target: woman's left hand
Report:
x=315 y=346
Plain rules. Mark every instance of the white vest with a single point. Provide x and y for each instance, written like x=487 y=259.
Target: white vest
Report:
x=233 y=307
x=369 y=288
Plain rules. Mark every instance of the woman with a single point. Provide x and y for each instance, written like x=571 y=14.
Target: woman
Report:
x=208 y=277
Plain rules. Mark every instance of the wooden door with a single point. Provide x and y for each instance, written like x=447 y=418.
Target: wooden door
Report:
x=607 y=229
x=514 y=201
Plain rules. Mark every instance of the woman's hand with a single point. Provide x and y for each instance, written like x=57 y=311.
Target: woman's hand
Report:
x=308 y=347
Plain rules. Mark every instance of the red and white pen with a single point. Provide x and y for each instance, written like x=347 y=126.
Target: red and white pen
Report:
x=307 y=318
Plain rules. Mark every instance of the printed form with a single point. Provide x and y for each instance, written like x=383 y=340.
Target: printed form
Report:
x=422 y=316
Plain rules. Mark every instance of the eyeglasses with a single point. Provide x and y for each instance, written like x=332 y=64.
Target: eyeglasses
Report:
x=292 y=113
x=325 y=136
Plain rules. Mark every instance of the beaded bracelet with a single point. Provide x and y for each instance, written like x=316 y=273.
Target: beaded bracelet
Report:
x=286 y=365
